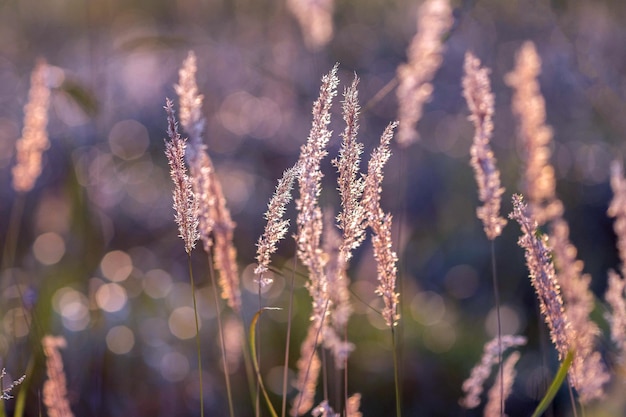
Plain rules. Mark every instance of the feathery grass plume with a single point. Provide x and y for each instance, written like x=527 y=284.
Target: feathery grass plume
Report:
x=615 y=292
x=316 y=20
x=185 y=203
x=308 y=239
x=309 y=218
x=492 y=409
x=352 y=219
x=190 y=101
x=5 y=394
x=587 y=373
x=185 y=209
x=354 y=403
x=202 y=177
x=309 y=366
x=215 y=224
x=380 y=223
x=480 y=100
x=617 y=210
x=543 y=277
x=530 y=109
x=276 y=227
x=200 y=165
x=617 y=316
x=55 y=387
x=424 y=58
x=473 y=386
x=225 y=255
x=34 y=140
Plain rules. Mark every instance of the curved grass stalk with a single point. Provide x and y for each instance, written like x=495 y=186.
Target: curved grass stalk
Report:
x=252 y=342
x=555 y=385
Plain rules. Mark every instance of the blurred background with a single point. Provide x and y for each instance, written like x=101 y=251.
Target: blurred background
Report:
x=98 y=259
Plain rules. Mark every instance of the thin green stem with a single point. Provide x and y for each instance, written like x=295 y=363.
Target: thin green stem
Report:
x=496 y=295
x=555 y=385
x=252 y=335
x=345 y=373
x=324 y=374
x=195 y=314
x=221 y=334
x=288 y=341
x=398 y=331
x=258 y=352
x=396 y=379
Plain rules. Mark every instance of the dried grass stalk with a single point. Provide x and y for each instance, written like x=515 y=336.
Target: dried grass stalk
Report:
x=354 y=403
x=543 y=277
x=587 y=374
x=496 y=395
x=615 y=293
x=380 y=224
x=309 y=219
x=185 y=203
x=617 y=316
x=316 y=20
x=424 y=59
x=351 y=219
x=190 y=100
x=480 y=100
x=539 y=183
x=473 y=386
x=276 y=227
x=34 y=140
x=617 y=210
x=308 y=239
x=215 y=223
x=55 y=387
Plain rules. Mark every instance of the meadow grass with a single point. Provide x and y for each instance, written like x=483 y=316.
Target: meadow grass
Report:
x=319 y=381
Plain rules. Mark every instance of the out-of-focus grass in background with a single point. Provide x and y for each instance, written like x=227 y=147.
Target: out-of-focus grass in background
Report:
x=97 y=250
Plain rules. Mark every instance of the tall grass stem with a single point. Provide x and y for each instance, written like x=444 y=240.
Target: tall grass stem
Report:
x=288 y=340
x=555 y=385
x=221 y=334
x=396 y=379
x=257 y=354
x=252 y=333
x=195 y=314
x=496 y=295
